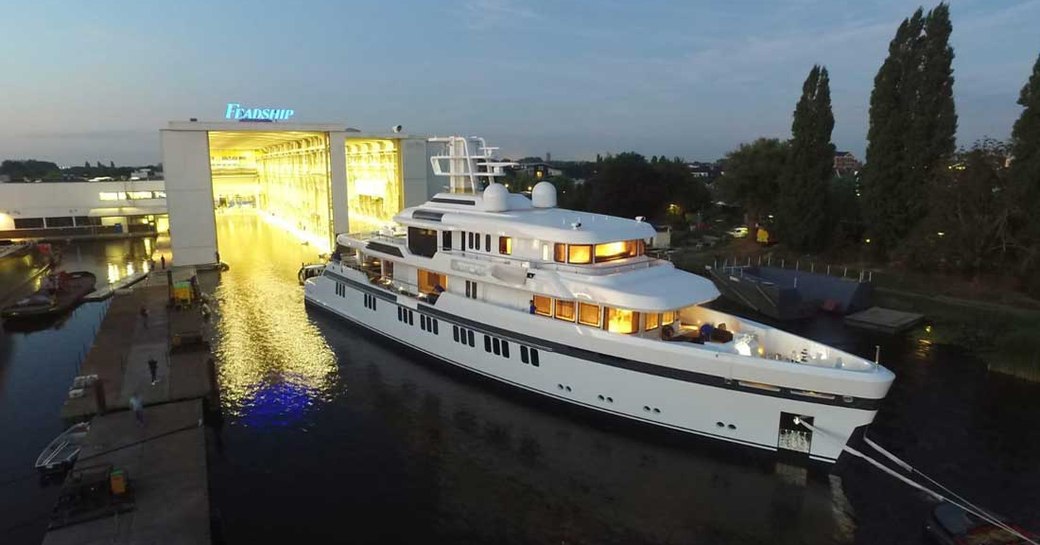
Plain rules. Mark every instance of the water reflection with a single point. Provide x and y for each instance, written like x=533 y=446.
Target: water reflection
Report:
x=273 y=362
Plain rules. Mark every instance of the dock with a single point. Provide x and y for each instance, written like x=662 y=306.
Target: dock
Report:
x=884 y=320
x=164 y=459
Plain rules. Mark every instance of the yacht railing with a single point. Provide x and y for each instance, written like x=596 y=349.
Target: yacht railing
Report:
x=396 y=240
x=595 y=270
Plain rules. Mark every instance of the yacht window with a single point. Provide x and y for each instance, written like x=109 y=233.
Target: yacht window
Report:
x=542 y=305
x=579 y=253
x=445 y=240
x=470 y=240
x=668 y=317
x=505 y=245
x=622 y=321
x=588 y=314
x=565 y=310
x=487 y=242
x=388 y=268
x=653 y=320
x=422 y=241
x=560 y=252
x=431 y=282
x=617 y=250
x=476 y=239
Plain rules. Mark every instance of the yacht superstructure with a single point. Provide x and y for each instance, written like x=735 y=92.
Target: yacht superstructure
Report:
x=567 y=305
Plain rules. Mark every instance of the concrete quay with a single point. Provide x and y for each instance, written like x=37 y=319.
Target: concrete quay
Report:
x=163 y=458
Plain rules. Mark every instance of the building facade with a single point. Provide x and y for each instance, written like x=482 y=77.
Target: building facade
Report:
x=315 y=180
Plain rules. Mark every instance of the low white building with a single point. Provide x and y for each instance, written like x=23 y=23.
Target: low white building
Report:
x=81 y=208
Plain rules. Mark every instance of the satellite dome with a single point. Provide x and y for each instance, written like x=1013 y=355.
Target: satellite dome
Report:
x=543 y=195
x=496 y=198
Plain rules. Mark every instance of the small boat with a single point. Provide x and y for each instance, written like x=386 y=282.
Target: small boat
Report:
x=60 y=293
x=311 y=270
x=951 y=525
x=62 y=451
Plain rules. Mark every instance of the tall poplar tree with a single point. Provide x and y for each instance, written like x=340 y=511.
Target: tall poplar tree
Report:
x=1025 y=168
x=913 y=123
x=802 y=212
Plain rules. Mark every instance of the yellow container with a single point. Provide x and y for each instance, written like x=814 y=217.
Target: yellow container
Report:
x=117 y=482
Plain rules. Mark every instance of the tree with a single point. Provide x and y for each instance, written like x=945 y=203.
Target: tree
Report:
x=628 y=186
x=966 y=228
x=752 y=176
x=112 y=165
x=912 y=125
x=86 y=164
x=686 y=194
x=1025 y=172
x=802 y=211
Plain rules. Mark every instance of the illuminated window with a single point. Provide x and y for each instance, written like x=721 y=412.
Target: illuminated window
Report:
x=588 y=314
x=653 y=320
x=140 y=195
x=560 y=252
x=565 y=310
x=617 y=250
x=431 y=282
x=108 y=196
x=505 y=245
x=543 y=305
x=622 y=321
x=668 y=317
x=160 y=194
x=579 y=253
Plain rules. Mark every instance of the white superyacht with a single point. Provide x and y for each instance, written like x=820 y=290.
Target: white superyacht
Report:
x=567 y=305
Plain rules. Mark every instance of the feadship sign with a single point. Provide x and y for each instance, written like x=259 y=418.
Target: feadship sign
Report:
x=237 y=112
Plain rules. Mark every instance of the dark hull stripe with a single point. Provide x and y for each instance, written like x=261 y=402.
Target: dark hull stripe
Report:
x=547 y=394
x=862 y=403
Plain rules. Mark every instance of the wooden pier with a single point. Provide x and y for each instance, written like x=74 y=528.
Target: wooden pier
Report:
x=884 y=320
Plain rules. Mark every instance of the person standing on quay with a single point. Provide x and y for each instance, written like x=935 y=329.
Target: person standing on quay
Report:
x=144 y=316
x=162 y=261
x=153 y=368
x=138 y=407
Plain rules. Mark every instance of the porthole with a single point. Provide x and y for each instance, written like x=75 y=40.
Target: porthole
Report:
x=645 y=408
x=560 y=386
x=720 y=425
x=610 y=399
x=731 y=426
x=568 y=388
x=601 y=397
x=657 y=411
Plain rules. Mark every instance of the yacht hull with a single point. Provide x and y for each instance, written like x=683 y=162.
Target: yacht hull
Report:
x=503 y=351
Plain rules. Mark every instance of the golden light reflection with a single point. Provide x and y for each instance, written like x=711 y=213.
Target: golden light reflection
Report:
x=273 y=362
x=374 y=187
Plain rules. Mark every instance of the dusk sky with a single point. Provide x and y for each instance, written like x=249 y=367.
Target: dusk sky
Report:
x=97 y=80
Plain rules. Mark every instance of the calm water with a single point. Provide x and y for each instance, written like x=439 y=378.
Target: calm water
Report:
x=36 y=370
x=333 y=436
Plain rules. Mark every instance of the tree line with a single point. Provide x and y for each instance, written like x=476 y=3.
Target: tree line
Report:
x=918 y=200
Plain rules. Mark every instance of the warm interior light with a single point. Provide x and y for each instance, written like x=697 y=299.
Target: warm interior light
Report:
x=622 y=321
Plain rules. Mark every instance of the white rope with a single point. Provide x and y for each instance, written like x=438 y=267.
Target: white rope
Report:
x=912 y=470
x=960 y=504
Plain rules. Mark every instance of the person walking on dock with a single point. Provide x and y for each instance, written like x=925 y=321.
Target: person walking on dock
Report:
x=162 y=261
x=138 y=407
x=144 y=316
x=153 y=368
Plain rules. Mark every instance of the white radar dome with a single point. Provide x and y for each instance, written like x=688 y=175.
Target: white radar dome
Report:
x=496 y=198
x=543 y=195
